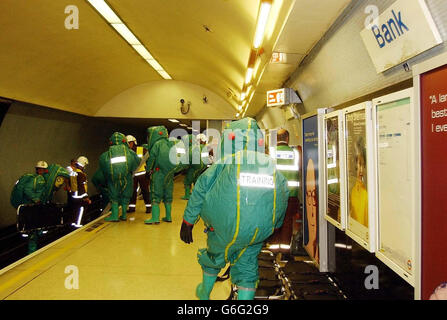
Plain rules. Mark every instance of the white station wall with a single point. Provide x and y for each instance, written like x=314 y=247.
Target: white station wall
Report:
x=161 y=99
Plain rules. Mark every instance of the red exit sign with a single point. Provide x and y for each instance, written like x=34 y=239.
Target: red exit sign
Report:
x=276 y=98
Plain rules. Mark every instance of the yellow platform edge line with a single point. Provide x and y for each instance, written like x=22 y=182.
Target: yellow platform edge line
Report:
x=48 y=259
x=48 y=246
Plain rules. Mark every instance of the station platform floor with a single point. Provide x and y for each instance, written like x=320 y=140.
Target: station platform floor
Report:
x=115 y=261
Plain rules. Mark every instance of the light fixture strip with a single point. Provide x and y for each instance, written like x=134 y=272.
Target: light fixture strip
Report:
x=249 y=75
x=254 y=61
x=112 y=18
x=262 y=23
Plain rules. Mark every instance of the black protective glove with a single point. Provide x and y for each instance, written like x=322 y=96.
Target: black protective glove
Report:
x=186 y=232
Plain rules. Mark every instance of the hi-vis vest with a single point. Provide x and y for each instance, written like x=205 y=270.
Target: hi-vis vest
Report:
x=141 y=169
x=288 y=163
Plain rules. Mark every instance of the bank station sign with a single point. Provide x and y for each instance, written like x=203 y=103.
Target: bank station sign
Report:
x=403 y=31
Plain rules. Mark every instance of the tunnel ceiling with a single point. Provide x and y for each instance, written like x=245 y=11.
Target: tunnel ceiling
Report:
x=203 y=42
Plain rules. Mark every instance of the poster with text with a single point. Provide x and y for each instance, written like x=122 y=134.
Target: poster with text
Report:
x=333 y=203
x=395 y=167
x=357 y=177
x=310 y=187
x=434 y=177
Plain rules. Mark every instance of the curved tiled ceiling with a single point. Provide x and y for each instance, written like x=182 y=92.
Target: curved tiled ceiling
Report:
x=202 y=42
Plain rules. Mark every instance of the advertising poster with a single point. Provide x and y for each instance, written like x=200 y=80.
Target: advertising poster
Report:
x=357 y=177
x=310 y=186
x=434 y=176
x=395 y=180
x=333 y=203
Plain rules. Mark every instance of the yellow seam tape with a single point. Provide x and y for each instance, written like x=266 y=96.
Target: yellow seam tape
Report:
x=238 y=207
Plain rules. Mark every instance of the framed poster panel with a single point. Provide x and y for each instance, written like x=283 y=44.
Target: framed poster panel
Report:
x=334 y=169
x=315 y=237
x=430 y=79
x=360 y=214
x=311 y=187
x=394 y=161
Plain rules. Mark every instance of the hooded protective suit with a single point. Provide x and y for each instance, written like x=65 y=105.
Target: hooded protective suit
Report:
x=163 y=169
x=54 y=179
x=27 y=190
x=100 y=183
x=242 y=199
x=117 y=165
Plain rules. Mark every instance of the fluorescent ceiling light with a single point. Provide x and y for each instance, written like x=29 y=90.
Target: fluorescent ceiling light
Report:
x=183 y=125
x=174 y=120
x=237 y=115
x=243 y=95
x=112 y=18
x=190 y=128
x=165 y=75
x=103 y=8
x=239 y=108
x=248 y=90
x=155 y=64
x=124 y=31
x=249 y=75
x=262 y=23
x=143 y=52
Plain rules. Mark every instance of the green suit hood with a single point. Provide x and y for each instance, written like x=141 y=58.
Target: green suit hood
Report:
x=118 y=139
x=242 y=135
x=54 y=171
x=155 y=134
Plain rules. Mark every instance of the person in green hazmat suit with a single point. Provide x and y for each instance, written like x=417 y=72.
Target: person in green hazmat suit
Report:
x=117 y=165
x=162 y=164
x=29 y=188
x=39 y=189
x=242 y=199
x=100 y=183
x=197 y=162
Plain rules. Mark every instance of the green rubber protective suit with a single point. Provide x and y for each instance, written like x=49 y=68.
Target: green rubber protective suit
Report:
x=197 y=164
x=54 y=171
x=163 y=163
x=117 y=165
x=27 y=190
x=100 y=183
x=242 y=199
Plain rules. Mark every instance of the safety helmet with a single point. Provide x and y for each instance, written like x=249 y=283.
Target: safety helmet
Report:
x=202 y=138
x=131 y=139
x=83 y=161
x=42 y=165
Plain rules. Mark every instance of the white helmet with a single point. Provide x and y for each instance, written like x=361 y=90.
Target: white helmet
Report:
x=42 y=165
x=201 y=137
x=130 y=139
x=82 y=161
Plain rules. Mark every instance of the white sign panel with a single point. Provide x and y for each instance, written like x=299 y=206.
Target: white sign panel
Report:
x=256 y=181
x=403 y=31
x=394 y=132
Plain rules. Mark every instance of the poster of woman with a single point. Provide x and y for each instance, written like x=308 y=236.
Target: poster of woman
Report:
x=358 y=204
